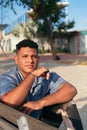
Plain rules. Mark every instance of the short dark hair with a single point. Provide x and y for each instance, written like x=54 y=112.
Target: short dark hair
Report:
x=26 y=43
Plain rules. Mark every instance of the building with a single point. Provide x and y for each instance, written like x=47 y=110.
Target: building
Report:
x=78 y=44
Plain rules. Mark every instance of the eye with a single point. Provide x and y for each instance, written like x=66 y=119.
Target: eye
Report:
x=24 y=56
x=35 y=56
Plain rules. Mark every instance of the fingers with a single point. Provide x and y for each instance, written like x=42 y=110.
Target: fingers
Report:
x=41 y=72
x=47 y=74
x=26 y=110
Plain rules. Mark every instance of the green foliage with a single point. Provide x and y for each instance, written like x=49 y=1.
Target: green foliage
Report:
x=16 y=32
x=47 y=15
x=62 y=50
x=44 y=51
x=58 y=50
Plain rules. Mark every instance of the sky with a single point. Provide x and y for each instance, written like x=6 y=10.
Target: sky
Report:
x=77 y=11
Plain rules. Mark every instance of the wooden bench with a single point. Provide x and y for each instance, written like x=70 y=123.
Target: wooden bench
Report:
x=11 y=119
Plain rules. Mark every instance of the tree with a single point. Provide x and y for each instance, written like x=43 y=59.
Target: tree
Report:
x=47 y=15
x=2 y=26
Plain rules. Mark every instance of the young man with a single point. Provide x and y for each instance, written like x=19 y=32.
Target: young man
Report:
x=31 y=87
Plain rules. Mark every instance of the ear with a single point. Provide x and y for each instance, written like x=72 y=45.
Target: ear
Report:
x=16 y=59
x=38 y=58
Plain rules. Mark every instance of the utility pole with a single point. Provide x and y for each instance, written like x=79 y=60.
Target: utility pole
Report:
x=67 y=12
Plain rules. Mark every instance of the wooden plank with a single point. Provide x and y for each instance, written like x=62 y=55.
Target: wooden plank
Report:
x=4 y=125
x=13 y=115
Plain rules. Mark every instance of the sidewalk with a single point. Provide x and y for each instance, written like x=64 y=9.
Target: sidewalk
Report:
x=76 y=75
x=66 y=58
x=71 y=69
x=48 y=57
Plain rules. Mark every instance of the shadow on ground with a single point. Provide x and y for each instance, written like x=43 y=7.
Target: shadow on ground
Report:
x=6 y=64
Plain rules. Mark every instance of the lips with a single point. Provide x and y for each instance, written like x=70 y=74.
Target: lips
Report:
x=29 y=66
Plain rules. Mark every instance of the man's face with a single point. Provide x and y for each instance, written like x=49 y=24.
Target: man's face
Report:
x=27 y=60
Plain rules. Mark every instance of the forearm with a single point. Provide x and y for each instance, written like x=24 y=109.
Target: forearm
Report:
x=64 y=94
x=18 y=94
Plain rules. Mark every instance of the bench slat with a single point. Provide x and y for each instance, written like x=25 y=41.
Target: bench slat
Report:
x=6 y=126
x=13 y=115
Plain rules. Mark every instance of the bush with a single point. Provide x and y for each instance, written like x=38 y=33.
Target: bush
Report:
x=44 y=51
x=64 y=50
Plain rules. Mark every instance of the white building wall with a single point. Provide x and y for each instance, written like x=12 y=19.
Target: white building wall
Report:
x=82 y=44
x=9 y=41
x=86 y=44
x=74 y=45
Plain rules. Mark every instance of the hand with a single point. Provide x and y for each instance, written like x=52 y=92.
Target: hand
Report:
x=41 y=72
x=31 y=106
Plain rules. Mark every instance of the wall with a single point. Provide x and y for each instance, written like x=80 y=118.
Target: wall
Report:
x=74 y=45
x=78 y=43
x=84 y=41
x=86 y=44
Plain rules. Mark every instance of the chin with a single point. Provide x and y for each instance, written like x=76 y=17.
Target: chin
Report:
x=30 y=70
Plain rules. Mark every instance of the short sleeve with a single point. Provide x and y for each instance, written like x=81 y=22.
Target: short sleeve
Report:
x=9 y=80
x=5 y=85
x=55 y=82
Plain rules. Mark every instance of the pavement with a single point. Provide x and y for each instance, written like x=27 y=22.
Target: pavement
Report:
x=70 y=67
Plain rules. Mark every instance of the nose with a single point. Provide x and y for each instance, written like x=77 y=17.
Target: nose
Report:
x=30 y=59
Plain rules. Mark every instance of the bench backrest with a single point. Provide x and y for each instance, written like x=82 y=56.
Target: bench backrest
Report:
x=12 y=119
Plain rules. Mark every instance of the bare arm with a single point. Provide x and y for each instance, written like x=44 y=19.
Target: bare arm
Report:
x=64 y=94
x=16 y=97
